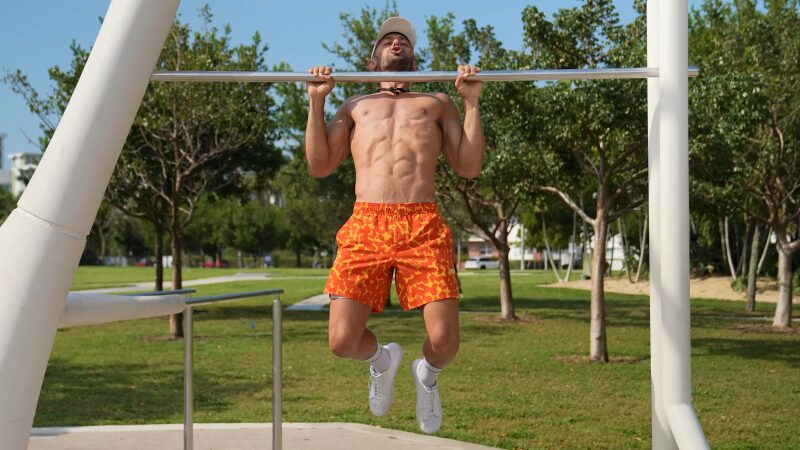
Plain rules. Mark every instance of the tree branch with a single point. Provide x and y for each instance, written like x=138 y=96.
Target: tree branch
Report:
x=568 y=200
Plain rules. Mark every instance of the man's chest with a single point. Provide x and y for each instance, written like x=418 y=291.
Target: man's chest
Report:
x=419 y=110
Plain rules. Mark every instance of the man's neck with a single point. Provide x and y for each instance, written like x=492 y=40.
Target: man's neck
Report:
x=396 y=84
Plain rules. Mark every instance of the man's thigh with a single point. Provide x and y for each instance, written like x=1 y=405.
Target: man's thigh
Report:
x=348 y=318
x=441 y=319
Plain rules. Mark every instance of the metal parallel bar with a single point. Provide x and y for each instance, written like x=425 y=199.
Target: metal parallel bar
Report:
x=222 y=298
x=188 y=362
x=367 y=77
x=188 y=388
x=277 y=373
x=160 y=293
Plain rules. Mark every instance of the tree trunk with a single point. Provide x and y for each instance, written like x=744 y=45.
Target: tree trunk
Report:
x=764 y=253
x=159 y=262
x=783 y=310
x=102 y=235
x=176 y=320
x=643 y=245
x=740 y=266
x=598 y=350
x=297 y=257
x=722 y=242
x=506 y=296
x=522 y=247
x=610 y=263
x=556 y=270
x=585 y=257
x=752 y=268
x=727 y=244
x=624 y=236
x=572 y=245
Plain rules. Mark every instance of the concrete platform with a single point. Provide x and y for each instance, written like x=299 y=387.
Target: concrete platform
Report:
x=238 y=436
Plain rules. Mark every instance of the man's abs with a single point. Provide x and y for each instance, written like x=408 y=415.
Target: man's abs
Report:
x=395 y=145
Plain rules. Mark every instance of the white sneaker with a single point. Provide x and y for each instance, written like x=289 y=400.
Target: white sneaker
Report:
x=429 y=405
x=381 y=385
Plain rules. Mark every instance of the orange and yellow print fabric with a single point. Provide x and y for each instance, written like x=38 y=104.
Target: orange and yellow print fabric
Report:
x=411 y=238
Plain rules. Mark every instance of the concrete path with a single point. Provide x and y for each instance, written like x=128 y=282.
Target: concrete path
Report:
x=239 y=436
x=315 y=303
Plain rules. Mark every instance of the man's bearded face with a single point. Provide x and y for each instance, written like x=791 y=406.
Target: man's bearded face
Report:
x=394 y=54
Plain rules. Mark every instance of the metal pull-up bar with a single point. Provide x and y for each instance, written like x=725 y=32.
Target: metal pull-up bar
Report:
x=374 y=77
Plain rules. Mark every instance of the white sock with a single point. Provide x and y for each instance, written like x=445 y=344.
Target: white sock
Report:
x=381 y=359
x=427 y=373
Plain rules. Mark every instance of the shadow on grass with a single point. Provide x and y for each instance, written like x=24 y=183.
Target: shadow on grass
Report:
x=88 y=393
x=564 y=304
x=760 y=349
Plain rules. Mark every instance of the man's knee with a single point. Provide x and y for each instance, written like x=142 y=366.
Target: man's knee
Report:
x=344 y=343
x=445 y=342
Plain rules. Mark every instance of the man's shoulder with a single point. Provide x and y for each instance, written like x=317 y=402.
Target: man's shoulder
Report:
x=440 y=96
x=353 y=99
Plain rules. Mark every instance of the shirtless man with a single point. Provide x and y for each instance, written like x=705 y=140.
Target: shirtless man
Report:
x=395 y=136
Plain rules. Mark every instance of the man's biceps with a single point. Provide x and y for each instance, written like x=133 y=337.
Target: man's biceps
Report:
x=452 y=130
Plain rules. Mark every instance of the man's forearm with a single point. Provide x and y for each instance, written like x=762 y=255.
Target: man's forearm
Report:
x=316 y=138
x=470 y=150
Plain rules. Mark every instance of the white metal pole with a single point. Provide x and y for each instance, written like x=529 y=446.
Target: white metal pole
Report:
x=41 y=242
x=277 y=373
x=662 y=436
x=673 y=105
x=421 y=76
x=188 y=378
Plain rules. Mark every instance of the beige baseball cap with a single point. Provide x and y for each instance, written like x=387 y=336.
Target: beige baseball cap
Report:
x=396 y=25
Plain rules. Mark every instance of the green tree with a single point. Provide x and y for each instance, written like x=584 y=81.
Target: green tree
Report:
x=595 y=129
x=488 y=204
x=314 y=208
x=257 y=228
x=746 y=108
x=187 y=139
x=551 y=227
x=7 y=204
x=211 y=230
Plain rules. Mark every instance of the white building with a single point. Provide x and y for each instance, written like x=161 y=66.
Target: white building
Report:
x=21 y=162
x=535 y=252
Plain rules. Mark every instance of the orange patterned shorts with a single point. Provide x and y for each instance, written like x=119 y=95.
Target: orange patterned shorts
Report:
x=410 y=238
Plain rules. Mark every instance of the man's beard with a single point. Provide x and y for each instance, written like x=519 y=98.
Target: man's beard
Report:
x=397 y=63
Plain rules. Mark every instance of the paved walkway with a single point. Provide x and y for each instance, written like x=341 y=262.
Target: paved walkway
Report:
x=315 y=303
x=239 y=436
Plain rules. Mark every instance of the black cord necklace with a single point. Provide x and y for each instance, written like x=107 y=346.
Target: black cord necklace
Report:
x=394 y=90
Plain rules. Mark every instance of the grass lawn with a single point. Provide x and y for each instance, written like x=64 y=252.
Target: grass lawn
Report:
x=520 y=385
x=96 y=277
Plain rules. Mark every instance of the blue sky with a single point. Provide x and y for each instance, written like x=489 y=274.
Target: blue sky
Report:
x=36 y=35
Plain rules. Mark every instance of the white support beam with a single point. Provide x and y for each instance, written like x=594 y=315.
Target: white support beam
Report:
x=87 y=308
x=662 y=436
x=673 y=254
x=42 y=240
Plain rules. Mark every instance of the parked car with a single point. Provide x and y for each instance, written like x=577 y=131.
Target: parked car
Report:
x=482 y=262
x=145 y=262
x=224 y=264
